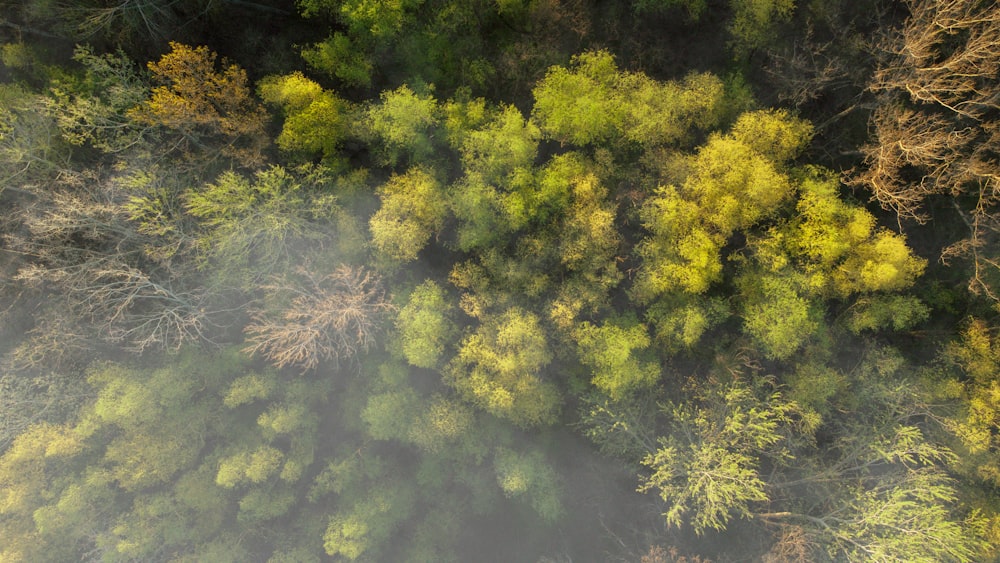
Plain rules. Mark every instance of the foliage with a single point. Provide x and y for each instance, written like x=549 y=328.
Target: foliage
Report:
x=203 y=106
x=581 y=230
x=613 y=351
x=754 y=22
x=253 y=229
x=403 y=122
x=594 y=102
x=977 y=354
x=340 y=56
x=735 y=181
x=425 y=326
x=499 y=367
x=776 y=314
x=413 y=209
x=527 y=474
x=316 y=120
x=95 y=110
x=143 y=470
x=708 y=470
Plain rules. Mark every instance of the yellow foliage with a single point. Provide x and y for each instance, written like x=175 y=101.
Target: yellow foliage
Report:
x=413 y=208
x=498 y=368
x=293 y=92
x=200 y=102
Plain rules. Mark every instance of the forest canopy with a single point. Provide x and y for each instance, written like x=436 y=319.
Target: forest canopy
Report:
x=475 y=280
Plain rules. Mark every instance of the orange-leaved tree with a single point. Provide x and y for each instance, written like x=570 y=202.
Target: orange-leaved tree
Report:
x=210 y=112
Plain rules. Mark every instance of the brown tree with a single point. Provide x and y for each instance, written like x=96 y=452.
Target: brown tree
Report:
x=937 y=126
x=323 y=319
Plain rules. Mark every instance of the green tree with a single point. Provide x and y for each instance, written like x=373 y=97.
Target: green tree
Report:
x=614 y=353
x=134 y=474
x=680 y=321
x=403 y=123
x=977 y=355
x=425 y=325
x=316 y=120
x=252 y=229
x=735 y=181
x=499 y=368
x=709 y=468
x=30 y=148
x=341 y=57
x=94 y=108
x=527 y=474
x=754 y=22
x=587 y=242
x=777 y=313
x=594 y=102
x=581 y=105
x=885 y=490
x=503 y=146
x=413 y=209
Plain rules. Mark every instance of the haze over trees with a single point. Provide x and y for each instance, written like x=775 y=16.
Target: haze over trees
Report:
x=470 y=280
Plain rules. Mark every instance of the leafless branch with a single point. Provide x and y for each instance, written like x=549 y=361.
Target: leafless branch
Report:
x=328 y=319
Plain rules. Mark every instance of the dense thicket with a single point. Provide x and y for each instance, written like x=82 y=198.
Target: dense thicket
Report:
x=476 y=280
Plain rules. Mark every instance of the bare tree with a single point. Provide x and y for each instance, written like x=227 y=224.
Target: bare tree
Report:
x=938 y=124
x=76 y=244
x=326 y=319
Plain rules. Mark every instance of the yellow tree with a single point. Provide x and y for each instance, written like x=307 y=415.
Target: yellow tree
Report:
x=499 y=368
x=209 y=111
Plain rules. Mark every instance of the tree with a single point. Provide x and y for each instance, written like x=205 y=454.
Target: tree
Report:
x=977 y=355
x=878 y=488
x=527 y=474
x=936 y=123
x=316 y=120
x=81 y=242
x=709 y=468
x=413 y=209
x=341 y=57
x=586 y=240
x=838 y=245
x=830 y=249
x=206 y=110
x=503 y=147
x=319 y=318
x=754 y=21
x=252 y=229
x=498 y=368
x=94 y=108
x=594 y=102
x=159 y=462
x=581 y=105
x=884 y=485
x=680 y=321
x=108 y=475
x=403 y=124
x=736 y=180
x=614 y=352
x=372 y=503
x=425 y=325
x=30 y=151
x=777 y=313
x=361 y=528
x=907 y=522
